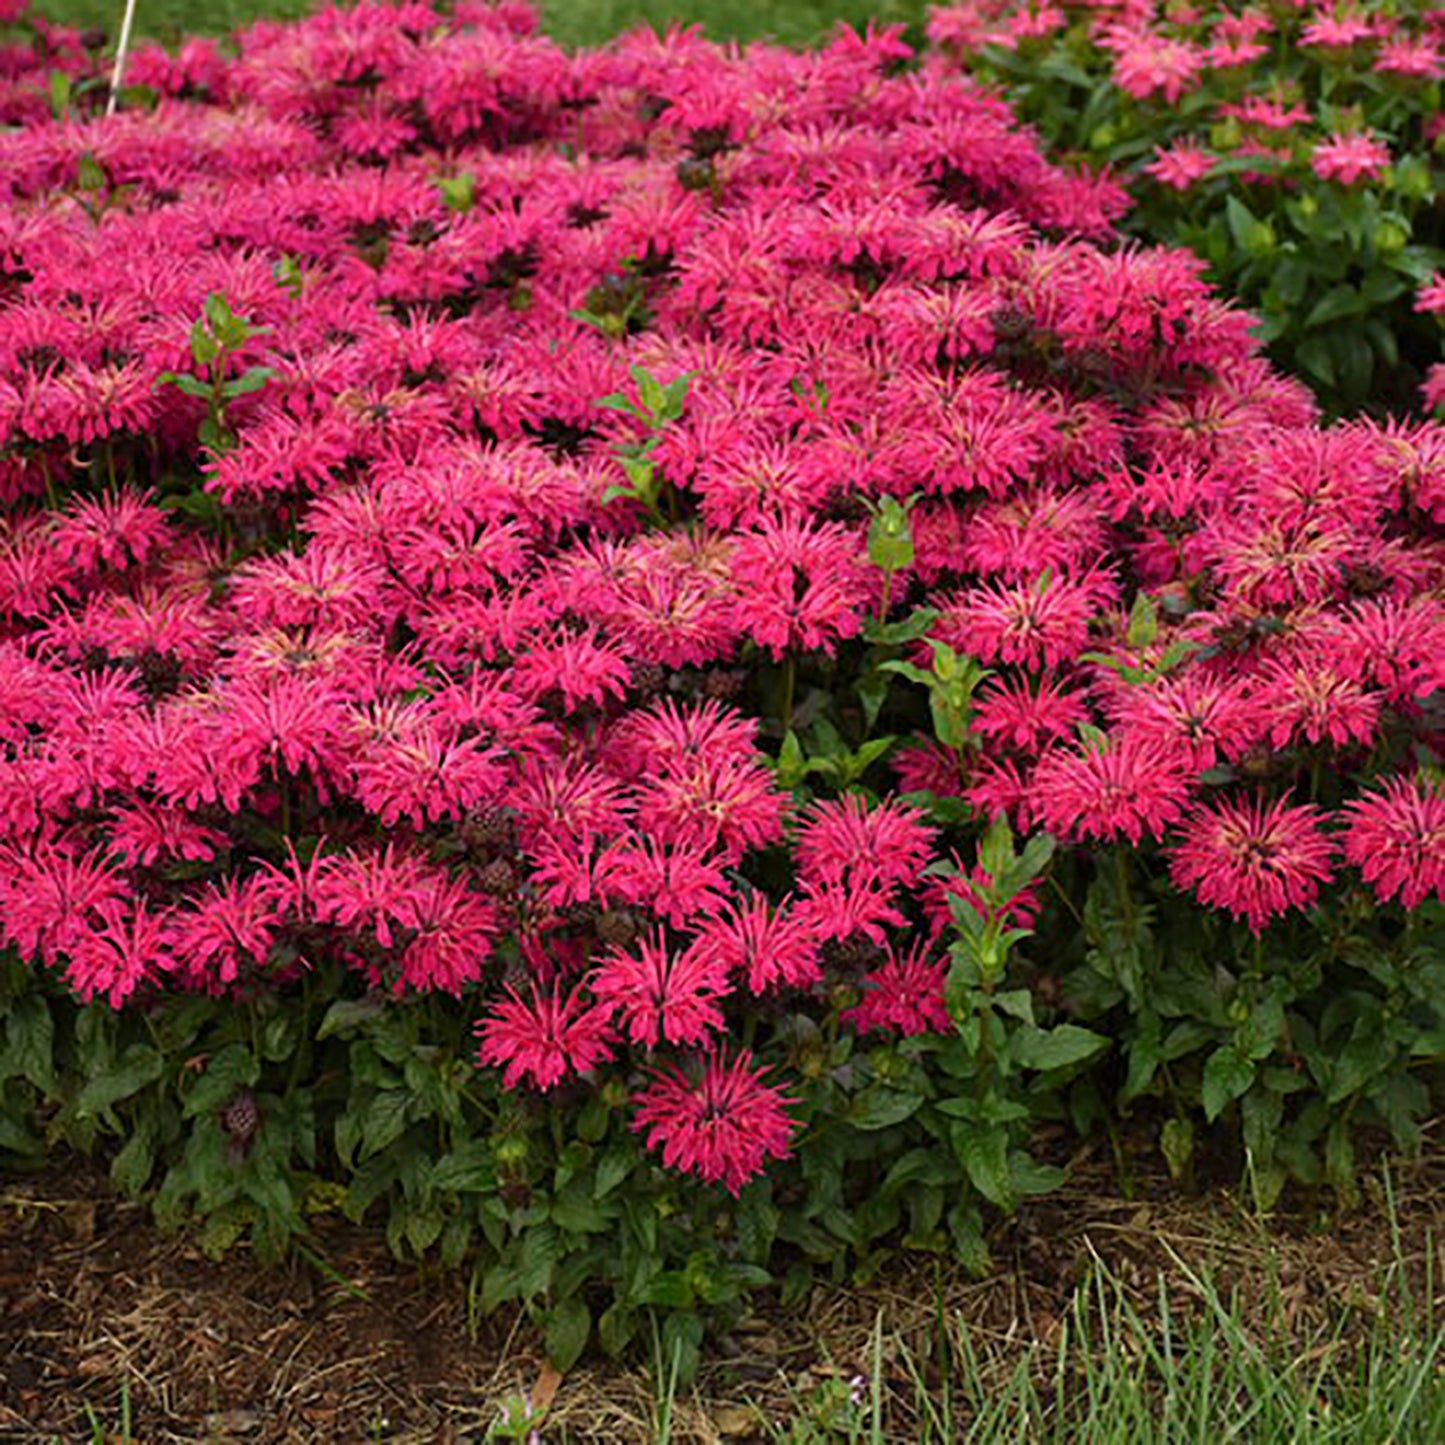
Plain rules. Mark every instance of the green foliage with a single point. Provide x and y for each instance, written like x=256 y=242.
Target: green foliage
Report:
x=654 y=406
x=1330 y=268
x=217 y=336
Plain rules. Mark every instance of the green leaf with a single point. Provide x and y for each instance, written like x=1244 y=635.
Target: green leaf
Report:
x=138 y=1066
x=1031 y=1178
x=617 y=401
x=616 y=1328
x=1056 y=1048
x=983 y=1153
x=996 y=849
x=613 y=1167
x=132 y=1166
x=907 y=629
x=890 y=537
x=681 y=1346
x=792 y=766
x=1017 y=1003
x=232 y=1068
x=29 y=1043
x=649 y=389
x=459 y=193
x=1244 y=226
x=1143 y=621
x=384 y=1120
x=879 y=1107
x=670 y=1288
x=1176 y=1143
x=184 y=382
x=1336 y=304
x=198 y=504
x=1035 y=858
x=348 y=1014
x=89 y=173
x=540 y=1252
x=468 y=1169
x=1366 y=1054
x=568 y=1326
x=578 y=1212
x=872 y=691
x=60 y=88
x=218 y=312
x=252 y=379
x=908 y=670
x=1227 y=1074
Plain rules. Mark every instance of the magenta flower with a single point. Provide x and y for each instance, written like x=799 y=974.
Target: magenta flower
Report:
x=1147 y=64
x=1253 y=859
x=799 y=584
x=1396 y=838
x=1181 y=165
x=847 y=844
x=1431 y=296
x=545 y=1038
x=722 y=1124
x=663 y=994
x=904 y=996
x=768 y=947
x=1042 y=622
x=1349 y=158
x=1127 y=787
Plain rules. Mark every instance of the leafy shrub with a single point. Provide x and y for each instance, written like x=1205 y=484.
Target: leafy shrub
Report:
x=712 y=571
x=1297 y=150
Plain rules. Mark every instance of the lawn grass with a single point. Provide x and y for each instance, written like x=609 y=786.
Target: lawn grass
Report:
x=573 y=22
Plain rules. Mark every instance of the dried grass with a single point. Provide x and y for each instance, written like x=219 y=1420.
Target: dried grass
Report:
x=93 y=1301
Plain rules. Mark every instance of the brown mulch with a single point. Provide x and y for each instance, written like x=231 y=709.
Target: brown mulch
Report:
x=96 y=1305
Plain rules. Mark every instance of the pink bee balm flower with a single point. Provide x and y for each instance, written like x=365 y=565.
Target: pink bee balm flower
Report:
x=1254 y=860
x=1130 y=787
x=1348 y=158
x=1042 y=623
x=905 y=994
x=1431 y=296
x=1265 y=113
x=1338 y=32
x=1414 y=59
x=1432 y=392
x=770 y=947
x=663 y=994
x=1146 y=64
x=545 y=1038
x=722 y=1126
x=848 y=845
x=1180 y=165
x=1396 y=839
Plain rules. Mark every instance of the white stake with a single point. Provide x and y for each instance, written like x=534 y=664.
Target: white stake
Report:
x=122 y=46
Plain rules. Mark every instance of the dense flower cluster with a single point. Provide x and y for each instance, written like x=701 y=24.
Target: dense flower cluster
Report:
x=364 y=647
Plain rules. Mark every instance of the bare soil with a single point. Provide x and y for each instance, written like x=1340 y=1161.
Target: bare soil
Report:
x=95 y=1304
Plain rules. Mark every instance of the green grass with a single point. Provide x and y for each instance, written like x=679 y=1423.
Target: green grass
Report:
x=1185 y=1369
x=573 y=22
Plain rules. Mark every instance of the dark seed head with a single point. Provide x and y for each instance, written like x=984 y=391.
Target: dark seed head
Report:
x=499 y=878
x=241 y=1117
x=618 y=926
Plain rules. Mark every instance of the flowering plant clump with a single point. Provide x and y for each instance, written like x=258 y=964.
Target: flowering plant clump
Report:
x=568 y=617
x=1297 y=148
